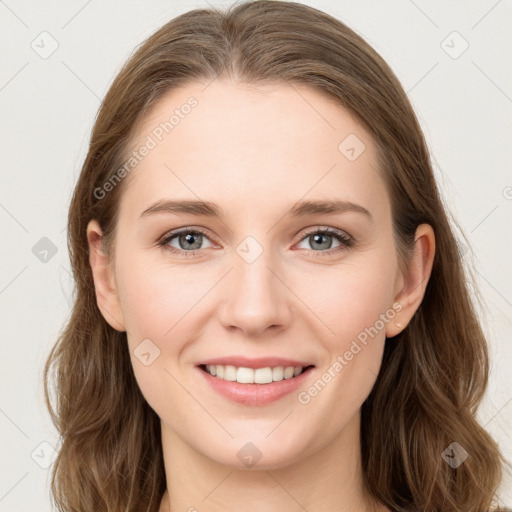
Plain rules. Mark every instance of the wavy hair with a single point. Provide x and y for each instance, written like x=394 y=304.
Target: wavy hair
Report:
x=434 y=373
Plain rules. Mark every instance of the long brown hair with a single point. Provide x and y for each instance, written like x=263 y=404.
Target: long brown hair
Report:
x=434 y=373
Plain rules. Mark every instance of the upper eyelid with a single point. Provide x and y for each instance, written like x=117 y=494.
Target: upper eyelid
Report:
x=324 y=229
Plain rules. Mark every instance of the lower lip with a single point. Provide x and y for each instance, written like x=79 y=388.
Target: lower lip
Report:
x=255 y=394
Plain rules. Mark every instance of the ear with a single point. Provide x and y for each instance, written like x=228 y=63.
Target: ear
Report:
x=104 y=283
x=412 y=283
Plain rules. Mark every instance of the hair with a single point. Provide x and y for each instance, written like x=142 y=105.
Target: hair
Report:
x=434 y=373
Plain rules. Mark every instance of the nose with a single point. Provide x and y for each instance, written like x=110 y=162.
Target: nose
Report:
x=255 y=297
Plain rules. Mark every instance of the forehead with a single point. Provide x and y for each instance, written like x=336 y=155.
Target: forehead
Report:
x=250 y=147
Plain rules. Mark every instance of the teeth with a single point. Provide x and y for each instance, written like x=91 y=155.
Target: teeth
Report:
x=278 y=373
x=229 y=373
x=250 y=376
x=288 y=372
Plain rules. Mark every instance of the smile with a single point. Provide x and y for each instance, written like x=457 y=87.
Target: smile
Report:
x=255 y=386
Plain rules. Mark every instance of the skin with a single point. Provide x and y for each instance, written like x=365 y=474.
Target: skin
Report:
x=256 y=151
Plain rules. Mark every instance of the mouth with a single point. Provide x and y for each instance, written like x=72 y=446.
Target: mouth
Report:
x=255 y=386
x=244 y=375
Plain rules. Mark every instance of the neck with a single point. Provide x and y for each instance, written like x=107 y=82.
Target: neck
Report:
x=330 y=479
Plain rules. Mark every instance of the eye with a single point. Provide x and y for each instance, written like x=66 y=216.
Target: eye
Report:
x=321 y=239
x=187 y=241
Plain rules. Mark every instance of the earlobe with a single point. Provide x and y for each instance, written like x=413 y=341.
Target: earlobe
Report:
x=104 y=283
x=414 y=280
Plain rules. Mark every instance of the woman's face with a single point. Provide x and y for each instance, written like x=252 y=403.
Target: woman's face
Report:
x=258 y=289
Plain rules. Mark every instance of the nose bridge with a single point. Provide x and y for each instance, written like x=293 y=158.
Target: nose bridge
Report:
x=257 y=297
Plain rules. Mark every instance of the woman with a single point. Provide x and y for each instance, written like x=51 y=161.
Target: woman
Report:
x=264 y=370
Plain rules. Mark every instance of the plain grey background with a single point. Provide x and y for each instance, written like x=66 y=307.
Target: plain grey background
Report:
x=58 y=61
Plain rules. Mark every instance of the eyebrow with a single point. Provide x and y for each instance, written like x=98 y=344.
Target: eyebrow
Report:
x=209 y=209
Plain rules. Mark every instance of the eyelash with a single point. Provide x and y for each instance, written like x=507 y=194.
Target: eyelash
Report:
x=345 y=240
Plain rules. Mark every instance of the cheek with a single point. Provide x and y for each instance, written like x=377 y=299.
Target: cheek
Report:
x=353 y=306
x=352 y=297
x=158 y=309
x=165 y=305
x=156 y=297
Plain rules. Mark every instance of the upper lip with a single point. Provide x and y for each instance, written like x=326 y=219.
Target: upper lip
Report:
x=259 y=362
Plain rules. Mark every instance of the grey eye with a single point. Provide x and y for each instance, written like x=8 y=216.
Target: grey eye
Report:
x=319 y=241
x=187 y=240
